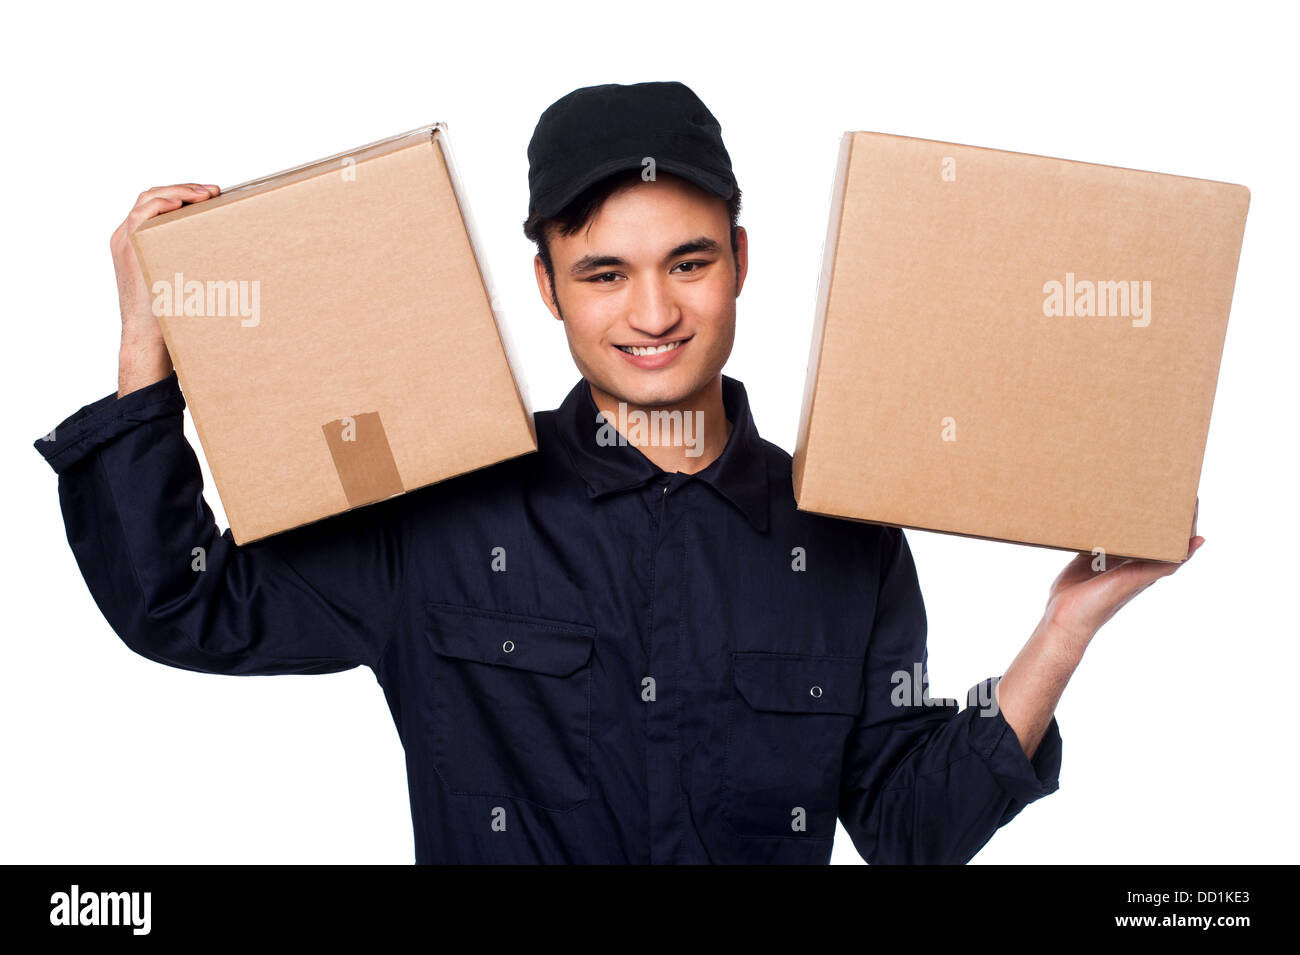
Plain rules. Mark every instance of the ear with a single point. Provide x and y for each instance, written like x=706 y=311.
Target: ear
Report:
x=545 y=288
x=742 y=257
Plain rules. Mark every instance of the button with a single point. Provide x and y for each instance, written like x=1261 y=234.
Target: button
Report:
x=508 y=646
x=816 y=692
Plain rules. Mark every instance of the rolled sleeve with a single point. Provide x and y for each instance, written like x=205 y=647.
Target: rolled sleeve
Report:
x=74 y=438
x=995 y=742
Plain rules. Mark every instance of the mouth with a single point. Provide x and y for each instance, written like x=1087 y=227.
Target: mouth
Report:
x=648 y=350
x=654 y=354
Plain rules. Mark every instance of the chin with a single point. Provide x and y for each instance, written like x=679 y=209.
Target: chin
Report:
x=647 y=388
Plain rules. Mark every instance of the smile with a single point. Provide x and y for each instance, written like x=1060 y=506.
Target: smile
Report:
x=649 y=350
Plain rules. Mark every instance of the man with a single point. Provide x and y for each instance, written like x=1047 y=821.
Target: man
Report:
x=612 y=650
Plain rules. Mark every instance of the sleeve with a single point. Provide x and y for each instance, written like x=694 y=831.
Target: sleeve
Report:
x=925 y=782
x=316 y=599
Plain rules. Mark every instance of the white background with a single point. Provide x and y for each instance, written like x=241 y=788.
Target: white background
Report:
x=1178 y=728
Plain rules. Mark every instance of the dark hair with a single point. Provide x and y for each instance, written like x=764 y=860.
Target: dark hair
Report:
x=581 y=210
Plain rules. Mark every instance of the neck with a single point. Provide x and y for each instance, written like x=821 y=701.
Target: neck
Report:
x=686 y=436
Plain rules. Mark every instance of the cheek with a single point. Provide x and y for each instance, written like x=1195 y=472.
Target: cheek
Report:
x=589 y=306
x=590 y=340
x=585 y=314
x=713 y=299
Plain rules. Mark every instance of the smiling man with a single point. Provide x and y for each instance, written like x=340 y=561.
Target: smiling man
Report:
x=610 y=651
x=650 y=326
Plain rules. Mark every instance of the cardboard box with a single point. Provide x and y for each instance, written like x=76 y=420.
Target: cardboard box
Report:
x=334 y=332
x=1015 y=347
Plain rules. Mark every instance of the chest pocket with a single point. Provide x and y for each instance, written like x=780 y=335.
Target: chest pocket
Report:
x=511 y=704
x=790 y=716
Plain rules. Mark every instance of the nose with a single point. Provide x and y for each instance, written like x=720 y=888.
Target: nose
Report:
x=655 y=311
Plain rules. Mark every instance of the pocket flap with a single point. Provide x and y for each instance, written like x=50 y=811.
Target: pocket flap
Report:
x=799 y=683
x=555 y=647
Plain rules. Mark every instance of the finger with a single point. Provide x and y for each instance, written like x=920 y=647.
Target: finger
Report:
x=147 y=210
x=1119 y=588
x=185 y=192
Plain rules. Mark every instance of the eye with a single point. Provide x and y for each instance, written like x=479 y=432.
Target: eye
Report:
x=600 y=279
x=697 y=266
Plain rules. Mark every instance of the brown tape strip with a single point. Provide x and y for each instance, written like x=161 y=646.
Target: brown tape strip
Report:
x=362 y=458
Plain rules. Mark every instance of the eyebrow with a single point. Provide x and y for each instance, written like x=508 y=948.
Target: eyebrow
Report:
x=590 y=263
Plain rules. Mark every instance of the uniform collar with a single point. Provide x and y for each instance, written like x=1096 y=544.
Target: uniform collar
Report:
x=739 y=474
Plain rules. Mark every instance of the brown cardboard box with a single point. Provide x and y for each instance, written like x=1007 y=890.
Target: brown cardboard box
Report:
x=334 y=333
x=1016 y=347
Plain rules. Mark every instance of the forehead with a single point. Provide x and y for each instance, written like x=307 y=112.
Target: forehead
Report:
x=651 y=213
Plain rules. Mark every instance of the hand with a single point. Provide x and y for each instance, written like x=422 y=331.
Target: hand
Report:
x=1082 y=599
x=143 y=358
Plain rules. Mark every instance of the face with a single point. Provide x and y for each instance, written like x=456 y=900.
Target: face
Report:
x=653 y=267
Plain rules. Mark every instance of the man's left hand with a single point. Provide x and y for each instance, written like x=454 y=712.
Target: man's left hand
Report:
x=1082 y=599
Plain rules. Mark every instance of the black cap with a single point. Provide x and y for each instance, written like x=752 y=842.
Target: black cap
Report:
x=598 y=130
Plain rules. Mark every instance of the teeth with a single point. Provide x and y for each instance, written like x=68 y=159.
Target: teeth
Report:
x=633 y=350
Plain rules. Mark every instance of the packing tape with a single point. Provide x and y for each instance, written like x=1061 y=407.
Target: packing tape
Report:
x=362 y=458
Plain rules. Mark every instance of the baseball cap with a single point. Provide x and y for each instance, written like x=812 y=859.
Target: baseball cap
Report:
x=596 y=131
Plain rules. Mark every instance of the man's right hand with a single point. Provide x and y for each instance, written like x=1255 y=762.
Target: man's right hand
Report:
x=142 y=357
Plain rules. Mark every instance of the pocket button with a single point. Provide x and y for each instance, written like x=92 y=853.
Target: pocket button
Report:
x=511 y=704
x=790 y=716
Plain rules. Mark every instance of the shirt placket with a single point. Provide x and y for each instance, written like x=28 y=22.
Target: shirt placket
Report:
x=665 y=633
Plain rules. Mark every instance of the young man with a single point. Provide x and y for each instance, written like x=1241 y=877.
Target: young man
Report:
x=611 y=650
